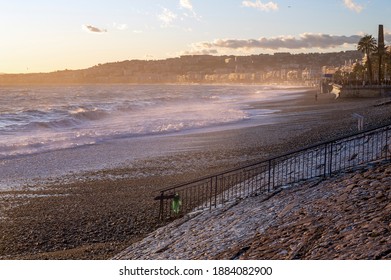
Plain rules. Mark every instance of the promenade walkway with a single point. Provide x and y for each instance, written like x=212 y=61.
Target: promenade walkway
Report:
x=344 y=217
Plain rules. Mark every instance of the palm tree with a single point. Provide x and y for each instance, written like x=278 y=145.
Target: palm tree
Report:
x=358 y=72
x=387 y=64
x=367 y=45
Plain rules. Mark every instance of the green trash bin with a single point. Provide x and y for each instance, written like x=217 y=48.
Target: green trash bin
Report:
x=176 y=204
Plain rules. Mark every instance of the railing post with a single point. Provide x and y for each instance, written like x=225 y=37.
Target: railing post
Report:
x=325 y=161
x=215 y=191
x=387 y=143
x=161 y=215
x=211 y=192
x=269 y=179
x=331 y=158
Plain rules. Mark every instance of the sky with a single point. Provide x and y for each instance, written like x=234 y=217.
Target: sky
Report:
x=47 y=35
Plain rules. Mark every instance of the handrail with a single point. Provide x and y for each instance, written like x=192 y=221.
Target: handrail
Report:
x=272 y=158
x=214 y=189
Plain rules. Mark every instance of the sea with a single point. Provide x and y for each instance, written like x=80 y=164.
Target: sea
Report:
x=36 y=119
x=52 y=134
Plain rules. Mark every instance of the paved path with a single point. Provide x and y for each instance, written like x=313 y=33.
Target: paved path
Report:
x=345 y=217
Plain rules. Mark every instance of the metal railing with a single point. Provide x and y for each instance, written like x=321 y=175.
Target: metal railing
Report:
x=320 y=160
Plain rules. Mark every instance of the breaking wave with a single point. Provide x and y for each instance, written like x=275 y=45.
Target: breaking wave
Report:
x=45 y=118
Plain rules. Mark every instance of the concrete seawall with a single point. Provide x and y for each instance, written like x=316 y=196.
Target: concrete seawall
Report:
x=365 y=91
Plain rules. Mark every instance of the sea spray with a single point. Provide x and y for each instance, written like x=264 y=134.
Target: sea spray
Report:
x=47 y=118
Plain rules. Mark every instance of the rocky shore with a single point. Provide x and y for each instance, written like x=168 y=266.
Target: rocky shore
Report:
x=345 y=217
x=96 y=215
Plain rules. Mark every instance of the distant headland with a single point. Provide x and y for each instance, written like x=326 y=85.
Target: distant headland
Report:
x=281 y=68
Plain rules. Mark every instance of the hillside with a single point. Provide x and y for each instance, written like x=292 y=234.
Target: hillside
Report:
x=263 y=68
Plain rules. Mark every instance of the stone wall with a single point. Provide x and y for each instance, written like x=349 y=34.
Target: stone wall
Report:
x=366 y=91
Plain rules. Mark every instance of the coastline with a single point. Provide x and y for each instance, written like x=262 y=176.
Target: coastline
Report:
x=94 y=215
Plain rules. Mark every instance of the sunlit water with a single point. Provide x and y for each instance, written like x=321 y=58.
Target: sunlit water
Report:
x=38 y=119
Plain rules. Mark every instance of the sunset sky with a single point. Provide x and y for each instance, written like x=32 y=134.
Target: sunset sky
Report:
x=44 y=36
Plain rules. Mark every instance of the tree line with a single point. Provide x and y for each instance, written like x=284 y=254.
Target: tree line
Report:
x=377 y=57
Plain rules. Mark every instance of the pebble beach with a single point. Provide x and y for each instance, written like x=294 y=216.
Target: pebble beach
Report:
x=98 y=214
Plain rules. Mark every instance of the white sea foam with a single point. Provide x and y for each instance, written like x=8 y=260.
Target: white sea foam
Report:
x=39 y=119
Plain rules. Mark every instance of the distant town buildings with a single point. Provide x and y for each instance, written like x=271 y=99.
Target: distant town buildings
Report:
x=278 y=68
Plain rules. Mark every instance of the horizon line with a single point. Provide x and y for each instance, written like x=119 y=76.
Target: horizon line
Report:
x=174 y=57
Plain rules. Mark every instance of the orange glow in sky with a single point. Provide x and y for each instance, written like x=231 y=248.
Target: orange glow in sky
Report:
x=44 y=36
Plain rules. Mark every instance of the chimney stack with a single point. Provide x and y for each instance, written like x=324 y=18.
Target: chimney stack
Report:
x=380 y=51
x=380 y=42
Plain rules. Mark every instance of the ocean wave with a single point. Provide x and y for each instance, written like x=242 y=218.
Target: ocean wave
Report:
x=56 y=118
x=51 y=119
x=89 y=115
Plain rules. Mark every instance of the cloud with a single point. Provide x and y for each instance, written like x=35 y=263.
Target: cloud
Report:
x=270 y=6
x=200 y=52
x=387 y=36
x=120 y=26
x=305 y=41
x=186 y=4
x=93 y=29
x=353 y=6
x=167 y=17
